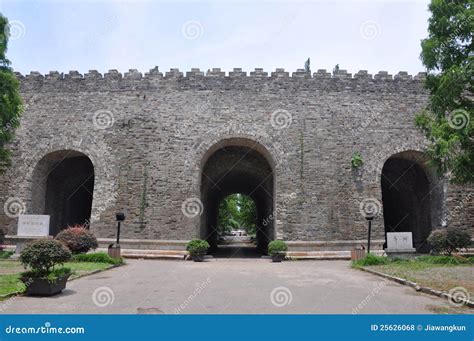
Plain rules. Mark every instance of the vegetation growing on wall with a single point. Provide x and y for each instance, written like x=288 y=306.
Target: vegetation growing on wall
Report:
x=143 y=197
x=356 y=160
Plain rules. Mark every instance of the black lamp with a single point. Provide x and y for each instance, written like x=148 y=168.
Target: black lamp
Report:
x=120 y=216
x=369 y=217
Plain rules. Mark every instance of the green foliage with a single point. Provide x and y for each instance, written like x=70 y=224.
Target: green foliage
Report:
x=371 y=259
x=52 y=276
x=356 y=160
x=448 y=240
x=42 y=255
x=78 y=239
x=6 y=254
x=237 y=211
x=277 y=246
x=448 y=121
x=451 y=260
x=420 y=262
x=197 y=246
x=98 y=257
x=437 y=240
x=143 y=199
x=10 y=100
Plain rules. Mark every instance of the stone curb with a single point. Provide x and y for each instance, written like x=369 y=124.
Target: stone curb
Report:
x=415 y=286
x=96 y=272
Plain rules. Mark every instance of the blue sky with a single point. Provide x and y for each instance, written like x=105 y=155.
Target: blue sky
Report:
x=102 y=35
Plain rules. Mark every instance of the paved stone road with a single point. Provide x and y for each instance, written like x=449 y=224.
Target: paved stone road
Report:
x=230 y=286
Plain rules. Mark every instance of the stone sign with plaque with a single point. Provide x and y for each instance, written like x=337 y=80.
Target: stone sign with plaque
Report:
x=399 y=244
x=33 y=225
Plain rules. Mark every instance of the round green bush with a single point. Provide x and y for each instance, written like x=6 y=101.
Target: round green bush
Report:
x=197 y=246
x=277 y=246
x=78 y=239
x=448 y=240
x=42 y=255
x=457 y=239
x=437 y=240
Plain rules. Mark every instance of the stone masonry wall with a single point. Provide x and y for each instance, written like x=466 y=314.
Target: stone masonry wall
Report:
x=147 y=137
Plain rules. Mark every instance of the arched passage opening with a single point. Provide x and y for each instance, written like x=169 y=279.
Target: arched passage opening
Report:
x=237 y=223
x=63 y=186
x=237 y=166
x=406 y=197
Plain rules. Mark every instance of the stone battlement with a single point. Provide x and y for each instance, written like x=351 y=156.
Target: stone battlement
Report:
x=215 y=78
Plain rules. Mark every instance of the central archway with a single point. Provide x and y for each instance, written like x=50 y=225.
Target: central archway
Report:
x=237 y=166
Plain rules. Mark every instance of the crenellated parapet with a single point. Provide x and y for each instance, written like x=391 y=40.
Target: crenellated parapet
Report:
x=216 y=78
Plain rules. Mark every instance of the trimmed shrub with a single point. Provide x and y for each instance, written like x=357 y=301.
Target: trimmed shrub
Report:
x=78 y=239
x=437 y=240
x=277 y=246
x=448 y=240
x=42 y=255
x=99 y=257
x=197 y=246
x=51 y=276
x=371 y=259
x=457 y=239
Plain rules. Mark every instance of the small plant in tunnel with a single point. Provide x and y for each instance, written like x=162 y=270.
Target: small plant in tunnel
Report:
x=277 y=250
x=197 y=248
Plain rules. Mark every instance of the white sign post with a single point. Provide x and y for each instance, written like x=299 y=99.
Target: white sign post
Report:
x=30 y=227
x=399 y=244
x=33 y=225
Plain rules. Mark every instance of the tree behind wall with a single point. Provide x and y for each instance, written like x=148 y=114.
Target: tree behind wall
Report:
x=448 y=120
x=10 y=100
x=237 y=211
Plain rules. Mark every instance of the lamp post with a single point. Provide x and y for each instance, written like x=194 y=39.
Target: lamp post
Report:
x=369 y=219
x=114 y=248
x=120 y=216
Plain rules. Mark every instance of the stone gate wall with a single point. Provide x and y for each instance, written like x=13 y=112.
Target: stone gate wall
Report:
x=147 y=135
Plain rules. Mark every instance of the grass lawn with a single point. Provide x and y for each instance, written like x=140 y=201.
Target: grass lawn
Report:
x=436 y=276
x=10 y=272
x=427 y=272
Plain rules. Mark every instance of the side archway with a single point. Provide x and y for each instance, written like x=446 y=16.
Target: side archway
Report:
x=237 y=165
x=63 y=187
x=409 y=196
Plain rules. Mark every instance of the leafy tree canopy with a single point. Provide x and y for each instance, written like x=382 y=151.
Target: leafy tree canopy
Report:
x=237 y=211
x=10 y=100
x=448 y=120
